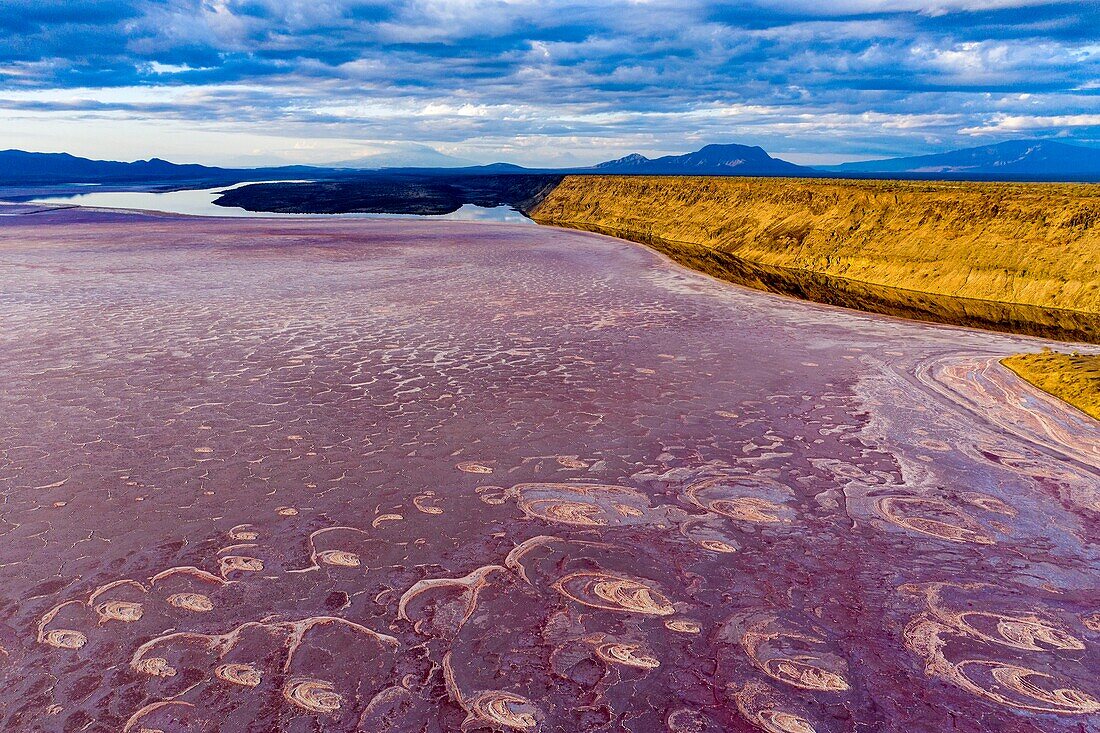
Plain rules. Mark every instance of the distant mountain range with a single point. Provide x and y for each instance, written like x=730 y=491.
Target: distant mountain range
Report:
x=1012 y=160
x=20 y=168
x=711 y=160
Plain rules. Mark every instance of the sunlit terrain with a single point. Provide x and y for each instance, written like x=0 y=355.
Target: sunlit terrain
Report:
x=1020 y=257
x=1074 y=378
x=428 y=476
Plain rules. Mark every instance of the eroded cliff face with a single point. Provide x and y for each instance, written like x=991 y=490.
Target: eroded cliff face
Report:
x=1018 y=257
x=1073 y=378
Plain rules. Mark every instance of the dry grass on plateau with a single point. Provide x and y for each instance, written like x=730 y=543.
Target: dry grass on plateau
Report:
x=1012 y=256
x=1074 y=378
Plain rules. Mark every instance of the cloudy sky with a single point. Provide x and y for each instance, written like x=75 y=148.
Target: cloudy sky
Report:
x=541 y=82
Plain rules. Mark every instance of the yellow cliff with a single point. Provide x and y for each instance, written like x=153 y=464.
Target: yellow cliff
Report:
x=1017 y=257
x=1074 y=378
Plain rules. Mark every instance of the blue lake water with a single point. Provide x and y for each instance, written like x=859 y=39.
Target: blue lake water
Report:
x=200 y=202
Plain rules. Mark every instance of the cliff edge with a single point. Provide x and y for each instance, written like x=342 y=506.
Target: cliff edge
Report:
x=1007 y=256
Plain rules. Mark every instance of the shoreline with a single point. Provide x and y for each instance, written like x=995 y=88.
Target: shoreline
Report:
x=1058 y=324
x=1000 y=257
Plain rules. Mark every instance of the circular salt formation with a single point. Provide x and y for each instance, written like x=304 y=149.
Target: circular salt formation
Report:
x=614 y=593
x=155 y=667
x=627 y=654
x=339 y=558
x=777 y=721
x=566 y=512
x=802 y=674
x=124 y=611
x=235 y=563
x=932 y=517
x=1020 y=687
x=242 y=533
x=1028 y=633
x=744 y=498
x=191 y=602
x=64 y=639
x=782 y=649
x=505 y=709
x=1005 y=683
x=683 y=626
x=748 y=509
x=685 y=720
x=763 y=706
x=710 y=533
x=239 y=674
x=316 y=696
x=582 y=505
x=423 y=503
x=493 y=495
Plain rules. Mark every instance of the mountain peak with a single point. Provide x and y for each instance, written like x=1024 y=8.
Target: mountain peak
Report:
x=634 y=159
x=714 y=159
x=713 y=148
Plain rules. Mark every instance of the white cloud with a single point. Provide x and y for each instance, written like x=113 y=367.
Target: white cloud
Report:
x=542 y=81
x=1002 y=123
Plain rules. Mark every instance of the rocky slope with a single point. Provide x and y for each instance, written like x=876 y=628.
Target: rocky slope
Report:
x=1016 y=257
x=1074 y=378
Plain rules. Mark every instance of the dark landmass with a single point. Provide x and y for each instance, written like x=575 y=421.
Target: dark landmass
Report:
x=394 y=193
x=1014 y=159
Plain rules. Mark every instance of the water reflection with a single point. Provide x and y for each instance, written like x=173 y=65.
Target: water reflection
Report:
x=200 y=202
